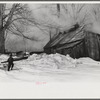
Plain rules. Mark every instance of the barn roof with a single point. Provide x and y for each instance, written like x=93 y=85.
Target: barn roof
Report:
x=68 y=36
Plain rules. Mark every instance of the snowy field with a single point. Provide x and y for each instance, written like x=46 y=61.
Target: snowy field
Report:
x=51 y=68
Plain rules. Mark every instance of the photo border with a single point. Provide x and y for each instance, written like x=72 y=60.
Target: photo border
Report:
x=68 y=91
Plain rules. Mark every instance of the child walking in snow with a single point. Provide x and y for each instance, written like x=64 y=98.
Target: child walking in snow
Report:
x=10 y=62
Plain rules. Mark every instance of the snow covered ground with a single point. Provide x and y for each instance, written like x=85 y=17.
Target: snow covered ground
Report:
x=51 y=68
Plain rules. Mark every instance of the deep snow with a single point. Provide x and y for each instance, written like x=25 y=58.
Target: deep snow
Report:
x=51 y=68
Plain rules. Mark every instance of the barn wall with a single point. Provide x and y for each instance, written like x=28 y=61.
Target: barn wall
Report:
x=90 y=47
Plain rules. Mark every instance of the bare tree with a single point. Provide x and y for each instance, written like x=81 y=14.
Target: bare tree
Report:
x=10 y=18
x=75 y=11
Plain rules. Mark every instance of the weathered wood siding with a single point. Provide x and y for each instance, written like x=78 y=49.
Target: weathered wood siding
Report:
x=90 y=47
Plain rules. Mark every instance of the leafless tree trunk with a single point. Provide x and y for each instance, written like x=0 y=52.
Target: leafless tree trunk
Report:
x=2 y=38
x=58 y=9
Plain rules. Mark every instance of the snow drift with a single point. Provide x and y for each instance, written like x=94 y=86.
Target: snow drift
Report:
x=51 y=68
x=56 y=61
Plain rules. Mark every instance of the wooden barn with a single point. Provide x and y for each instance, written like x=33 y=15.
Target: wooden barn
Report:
x=76 y=42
